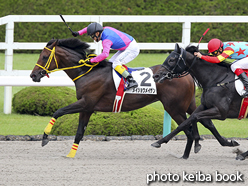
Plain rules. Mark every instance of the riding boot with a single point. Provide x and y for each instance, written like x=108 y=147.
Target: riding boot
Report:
x=131 y=82
x=122 y=71
x=244 y=80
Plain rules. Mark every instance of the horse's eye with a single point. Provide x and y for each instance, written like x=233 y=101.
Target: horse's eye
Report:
x=171 y=60
x=45 y=58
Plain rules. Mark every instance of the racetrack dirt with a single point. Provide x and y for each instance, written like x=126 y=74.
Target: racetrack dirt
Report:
x=119 y=163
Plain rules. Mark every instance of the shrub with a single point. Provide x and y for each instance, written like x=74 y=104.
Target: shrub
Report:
x=43 y=101
x=198 y=94
x=144 y=121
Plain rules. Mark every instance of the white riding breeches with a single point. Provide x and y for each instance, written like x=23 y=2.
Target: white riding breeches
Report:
x=125 y=56
x=242 y=63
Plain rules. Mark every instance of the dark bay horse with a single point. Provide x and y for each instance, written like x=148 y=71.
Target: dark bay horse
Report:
x=219 y=98
x=96 y=90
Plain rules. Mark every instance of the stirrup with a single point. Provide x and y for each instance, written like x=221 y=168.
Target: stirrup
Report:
x=245 y=95
x=133 y=84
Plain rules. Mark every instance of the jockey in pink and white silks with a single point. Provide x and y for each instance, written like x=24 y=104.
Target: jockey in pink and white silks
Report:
x=112 y=38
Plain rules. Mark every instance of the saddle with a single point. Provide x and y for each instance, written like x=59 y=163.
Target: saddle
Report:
x=146 y=85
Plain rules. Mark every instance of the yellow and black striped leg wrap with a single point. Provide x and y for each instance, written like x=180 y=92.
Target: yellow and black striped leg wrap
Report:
x=49 y=126
x=73 y=151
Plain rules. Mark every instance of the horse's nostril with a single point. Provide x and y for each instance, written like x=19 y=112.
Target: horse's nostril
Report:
x=155 y=76
x=32 y=75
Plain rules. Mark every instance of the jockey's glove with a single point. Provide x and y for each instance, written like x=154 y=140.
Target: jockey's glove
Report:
x=75 y=34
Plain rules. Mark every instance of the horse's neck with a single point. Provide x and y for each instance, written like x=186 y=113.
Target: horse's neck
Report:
x=207 y=73
x=69 y=64
x=86 y=74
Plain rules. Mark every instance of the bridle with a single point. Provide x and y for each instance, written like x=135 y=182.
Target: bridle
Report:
x=172 y=71
x=178 y=70
x=84 y=63
x=48 y=63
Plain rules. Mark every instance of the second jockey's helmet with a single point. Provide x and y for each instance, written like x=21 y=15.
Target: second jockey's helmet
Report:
x=214 y=44
x=93 y=28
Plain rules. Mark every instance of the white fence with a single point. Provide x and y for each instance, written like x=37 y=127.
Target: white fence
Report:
x=10 y=77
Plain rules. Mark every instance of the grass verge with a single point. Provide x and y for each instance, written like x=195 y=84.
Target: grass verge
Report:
x=16 y=124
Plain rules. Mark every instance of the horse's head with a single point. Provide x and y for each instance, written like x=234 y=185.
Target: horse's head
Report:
x=46 y=62
x=63 y=54
x=173 y=66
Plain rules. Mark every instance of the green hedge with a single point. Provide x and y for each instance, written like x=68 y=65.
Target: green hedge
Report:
x=144 y=121
x=143 y=32
x=43 y=101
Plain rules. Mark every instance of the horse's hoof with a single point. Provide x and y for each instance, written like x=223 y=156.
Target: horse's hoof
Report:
x=240 y=157
x=234 y=143
x=44 y=142
x=157 y=145
x=185 y=157
x=197 y=148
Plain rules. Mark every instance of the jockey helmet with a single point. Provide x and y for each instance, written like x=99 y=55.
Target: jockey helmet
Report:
x=93 y=28
x=214 y=45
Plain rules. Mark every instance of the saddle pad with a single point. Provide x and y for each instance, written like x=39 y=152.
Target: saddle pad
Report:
x=143 y=77
x=243 y=109
x=239 y=86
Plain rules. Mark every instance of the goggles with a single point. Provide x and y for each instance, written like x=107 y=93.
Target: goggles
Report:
x=215 y=52
x=92 y=36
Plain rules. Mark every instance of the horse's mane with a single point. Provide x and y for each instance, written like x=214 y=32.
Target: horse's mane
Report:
x=81 y=47
x=191 y=49
x=72 y=43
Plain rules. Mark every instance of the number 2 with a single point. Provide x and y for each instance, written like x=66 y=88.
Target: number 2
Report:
x=143 y=82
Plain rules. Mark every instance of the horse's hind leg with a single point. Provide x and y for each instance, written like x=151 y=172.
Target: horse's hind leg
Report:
x=195 y=132
x=192 y=135
x=190 y=140
x=83 y=121
x=196 y=137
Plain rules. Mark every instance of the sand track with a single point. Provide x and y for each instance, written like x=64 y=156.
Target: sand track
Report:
x=114 y=163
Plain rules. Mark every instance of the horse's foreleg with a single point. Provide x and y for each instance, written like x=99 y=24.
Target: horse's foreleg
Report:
x=83 y=121
x=203 y=115
x=183 y=126
x=70 y=109
x=47 y=132
x=223 y=141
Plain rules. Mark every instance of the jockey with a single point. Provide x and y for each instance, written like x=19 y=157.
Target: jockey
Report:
x=126 y=45
x=234 y=50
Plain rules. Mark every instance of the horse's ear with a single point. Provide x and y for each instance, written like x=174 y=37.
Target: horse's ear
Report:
x=55 y=43
x=177 y=48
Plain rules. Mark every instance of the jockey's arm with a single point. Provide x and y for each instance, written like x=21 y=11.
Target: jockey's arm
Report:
x=105 y=52
x=83 y=31
x=225 y=54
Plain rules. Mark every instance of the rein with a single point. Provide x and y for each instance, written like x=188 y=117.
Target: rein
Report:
x=224 y=84
x=52 y=56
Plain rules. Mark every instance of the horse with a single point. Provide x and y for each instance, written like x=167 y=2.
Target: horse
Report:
x=95 y=90
x=219 y=99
